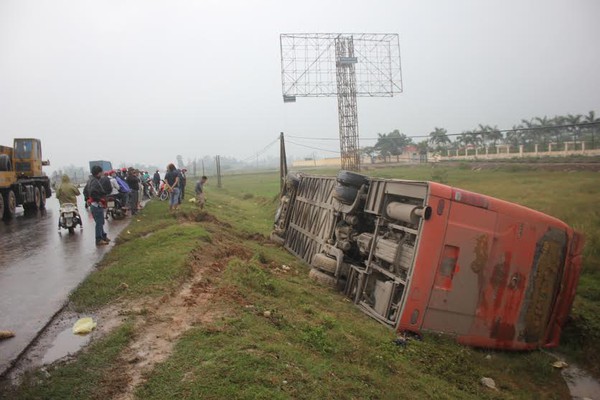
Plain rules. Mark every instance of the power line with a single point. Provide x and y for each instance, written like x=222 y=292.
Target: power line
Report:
x=524 y=129
x=312 y=147
x=260 y=152
x=310 y=138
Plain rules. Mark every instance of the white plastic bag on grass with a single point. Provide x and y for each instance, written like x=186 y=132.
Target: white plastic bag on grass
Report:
x=84 y=326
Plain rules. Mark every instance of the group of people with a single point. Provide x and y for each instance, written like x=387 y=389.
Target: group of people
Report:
x=125 y=184
x=175 y=182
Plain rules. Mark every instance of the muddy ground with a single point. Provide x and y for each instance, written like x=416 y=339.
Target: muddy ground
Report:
x=158 y=322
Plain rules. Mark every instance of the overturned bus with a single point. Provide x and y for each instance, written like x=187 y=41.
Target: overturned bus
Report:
x=423 y=256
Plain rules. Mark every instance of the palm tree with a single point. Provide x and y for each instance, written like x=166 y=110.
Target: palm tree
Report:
x=482 y=131
x=544 y=135
x=439 y=138
x=590 y=118
x=490 y=134
x=475 y=138
x=573 y=120
x=461 y=140
x=516 y=136
x=529 y=135
x=495 y=135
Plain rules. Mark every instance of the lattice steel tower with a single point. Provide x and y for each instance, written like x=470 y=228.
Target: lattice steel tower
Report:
x=345 y=65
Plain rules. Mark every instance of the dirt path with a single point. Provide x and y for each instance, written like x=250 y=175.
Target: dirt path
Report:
x=158 y=323
x=161 y=322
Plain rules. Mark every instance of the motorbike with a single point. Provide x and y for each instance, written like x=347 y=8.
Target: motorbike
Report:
x=163 y=193
x=69 y=218
x=115 y=208
x=149 y=190
x=152 y=191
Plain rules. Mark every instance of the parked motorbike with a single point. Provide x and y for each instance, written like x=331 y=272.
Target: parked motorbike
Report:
x=163 y=193
x=152 y=191
x=115 y=208
x=69 y=218
x=149 y=190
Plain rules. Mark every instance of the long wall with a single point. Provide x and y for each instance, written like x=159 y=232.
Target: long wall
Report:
x=469 y=154
x=503 y=152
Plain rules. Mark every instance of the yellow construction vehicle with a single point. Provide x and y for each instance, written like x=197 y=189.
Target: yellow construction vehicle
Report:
x=22 y=182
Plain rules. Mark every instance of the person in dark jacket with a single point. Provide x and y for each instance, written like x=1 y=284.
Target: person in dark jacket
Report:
x=134 y=183
x=156 y=180
x=182 y=182
x=172 y=182
x=95 y=193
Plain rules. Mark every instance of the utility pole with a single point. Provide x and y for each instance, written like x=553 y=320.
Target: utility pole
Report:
x=203 y=173
x=283 y=170
x=218 y=162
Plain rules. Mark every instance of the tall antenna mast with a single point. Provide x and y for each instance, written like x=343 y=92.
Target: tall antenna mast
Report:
x=344 y=65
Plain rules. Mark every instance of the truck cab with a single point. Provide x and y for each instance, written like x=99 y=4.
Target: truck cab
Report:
x=22 y=181
x=28 y=158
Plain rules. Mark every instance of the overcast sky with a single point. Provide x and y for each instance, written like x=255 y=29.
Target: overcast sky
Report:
x=141 y=81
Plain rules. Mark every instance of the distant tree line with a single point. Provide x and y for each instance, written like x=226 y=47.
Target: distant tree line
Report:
x=538 y=130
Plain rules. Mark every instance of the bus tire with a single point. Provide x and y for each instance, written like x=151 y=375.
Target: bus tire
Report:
x=324 y=263
x=322 y=278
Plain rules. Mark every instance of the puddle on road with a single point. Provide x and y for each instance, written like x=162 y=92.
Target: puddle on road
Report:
x=64 y=344
x=56 y=342
x=581 y=384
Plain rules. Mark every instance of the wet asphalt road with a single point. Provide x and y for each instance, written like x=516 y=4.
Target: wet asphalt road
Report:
x=38 y=270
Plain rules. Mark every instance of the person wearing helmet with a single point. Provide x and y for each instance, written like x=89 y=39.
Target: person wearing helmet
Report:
x=112 y=175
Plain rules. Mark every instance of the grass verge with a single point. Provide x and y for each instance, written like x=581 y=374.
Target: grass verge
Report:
x=84 y=378
x=282 y=336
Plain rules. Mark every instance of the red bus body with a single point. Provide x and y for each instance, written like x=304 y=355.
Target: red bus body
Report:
x=422 y=256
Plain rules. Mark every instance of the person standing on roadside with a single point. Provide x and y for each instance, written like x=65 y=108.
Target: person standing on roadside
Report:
x=172 y=179
x=156 y=180
x=182 y=182
x=134 y=184
x=199 y=189
x=95 y=194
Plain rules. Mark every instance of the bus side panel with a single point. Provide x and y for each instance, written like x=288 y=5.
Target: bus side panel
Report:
x=462 y=271
x=523 y=283
x=506 y=278
x=426 y=262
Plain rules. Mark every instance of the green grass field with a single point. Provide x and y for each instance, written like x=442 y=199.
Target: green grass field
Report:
x=279 y=335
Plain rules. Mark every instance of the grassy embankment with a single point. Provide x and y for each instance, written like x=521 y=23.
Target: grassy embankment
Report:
x=310 y=343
